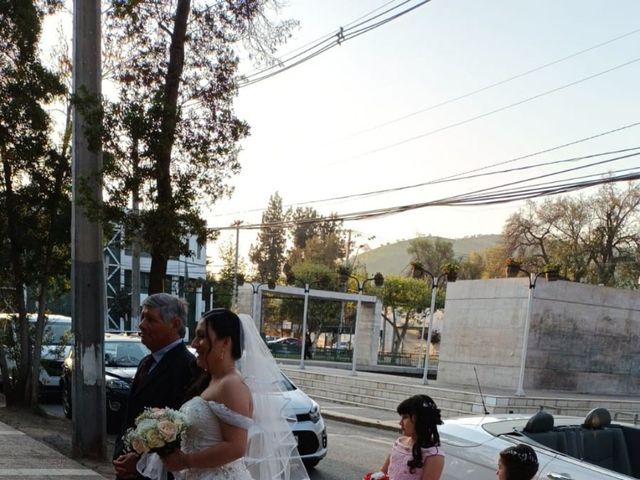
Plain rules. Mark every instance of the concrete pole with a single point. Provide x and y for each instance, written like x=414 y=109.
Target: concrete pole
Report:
x=304 y=324
x=525 y=338
x=135 y=269
x=234 y=302
x=434 y=291
x=87 y=276
x=354 y=342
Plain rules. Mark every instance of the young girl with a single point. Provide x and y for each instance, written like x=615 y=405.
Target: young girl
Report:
x=416 y=455
x=517 y=463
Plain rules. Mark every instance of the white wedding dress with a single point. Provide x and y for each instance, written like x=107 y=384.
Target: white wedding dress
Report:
x=204 y=431
x=204 y=419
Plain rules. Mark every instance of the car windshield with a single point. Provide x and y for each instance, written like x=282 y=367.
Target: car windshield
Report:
x=124 y=353
x=57 y=333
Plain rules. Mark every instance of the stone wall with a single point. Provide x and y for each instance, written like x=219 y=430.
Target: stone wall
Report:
x=582 y=338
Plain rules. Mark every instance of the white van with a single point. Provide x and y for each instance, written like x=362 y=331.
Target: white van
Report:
x=56 y=342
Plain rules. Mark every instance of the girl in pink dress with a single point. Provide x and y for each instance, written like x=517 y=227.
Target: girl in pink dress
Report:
x=416 y=455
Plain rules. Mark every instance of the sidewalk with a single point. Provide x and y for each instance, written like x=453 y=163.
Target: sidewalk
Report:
x=24 y=458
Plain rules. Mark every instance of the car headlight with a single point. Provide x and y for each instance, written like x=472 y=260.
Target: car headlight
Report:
x=117 y=384
x=314 y=413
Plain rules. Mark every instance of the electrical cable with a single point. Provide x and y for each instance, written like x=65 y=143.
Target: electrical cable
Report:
x=491 y=112
x=461 y=175
x=493 y=85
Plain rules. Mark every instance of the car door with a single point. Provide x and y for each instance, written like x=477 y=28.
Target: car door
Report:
x=567 y=468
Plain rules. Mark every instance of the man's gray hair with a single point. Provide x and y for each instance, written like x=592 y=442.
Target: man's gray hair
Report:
x=170 y=307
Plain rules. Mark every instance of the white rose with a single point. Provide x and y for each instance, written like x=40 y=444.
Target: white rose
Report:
x=167 y=430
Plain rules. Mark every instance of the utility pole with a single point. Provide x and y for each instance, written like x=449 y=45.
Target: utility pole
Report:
x=135 y=266
x=87 y=276
x=234 y=303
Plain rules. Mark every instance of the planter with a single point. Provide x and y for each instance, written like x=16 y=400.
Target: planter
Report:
x=452 y=276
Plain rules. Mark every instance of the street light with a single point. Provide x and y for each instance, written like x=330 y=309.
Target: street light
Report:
x=303 y=340
x=378 y=280
x=533 y=278
x=255 y=287
x=420 y=272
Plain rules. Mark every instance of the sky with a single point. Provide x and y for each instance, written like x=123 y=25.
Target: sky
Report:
x=328 y=127
x=379 y=111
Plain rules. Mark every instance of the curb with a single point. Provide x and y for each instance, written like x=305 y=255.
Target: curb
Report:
x=364 y=422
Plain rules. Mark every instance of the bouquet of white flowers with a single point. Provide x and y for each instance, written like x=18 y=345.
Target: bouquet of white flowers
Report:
x=157 y=430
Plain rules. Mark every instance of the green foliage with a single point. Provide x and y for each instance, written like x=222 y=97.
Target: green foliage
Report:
x=432 y=253
x=171 y=134
x=269 y=252
x=35 y=178
x=591 y=237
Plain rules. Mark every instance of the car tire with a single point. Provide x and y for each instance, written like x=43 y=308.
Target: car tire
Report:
x=311 y=463
x=66 y=399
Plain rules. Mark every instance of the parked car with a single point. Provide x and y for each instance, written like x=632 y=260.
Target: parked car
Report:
x=309 y=429
x=285 y=345
x=56 y=342
x=576 y=448
x=122 y=354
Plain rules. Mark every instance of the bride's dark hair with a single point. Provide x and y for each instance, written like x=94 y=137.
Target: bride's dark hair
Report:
x=225 y=324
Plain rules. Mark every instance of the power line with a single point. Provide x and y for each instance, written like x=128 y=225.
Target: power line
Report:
x=478 y=197
x=491 y=112
x=341 y=36
x=459 y=176
x=495 y=84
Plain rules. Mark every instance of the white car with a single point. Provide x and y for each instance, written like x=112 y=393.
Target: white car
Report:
x=568 y=448
x=56 y=342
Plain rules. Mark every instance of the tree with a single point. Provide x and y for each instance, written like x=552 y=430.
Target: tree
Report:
x=315 y=239
x=34 y=191
x=401 y=298
x=269 y=253
x=590 y=237
x=431 y=252
x=170 y=134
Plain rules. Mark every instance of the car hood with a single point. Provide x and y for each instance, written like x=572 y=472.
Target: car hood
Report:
x=54 y=352
x=123 y=373
x=299 y=401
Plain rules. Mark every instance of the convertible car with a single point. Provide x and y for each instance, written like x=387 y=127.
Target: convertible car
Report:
x=568 y=448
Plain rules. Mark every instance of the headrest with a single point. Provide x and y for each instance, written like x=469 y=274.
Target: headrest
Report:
x=541 y=422
x=597 y=418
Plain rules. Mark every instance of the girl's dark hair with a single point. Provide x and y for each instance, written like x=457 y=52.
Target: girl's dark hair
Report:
x=225 y=324
x=426 y=418
x=520 y=462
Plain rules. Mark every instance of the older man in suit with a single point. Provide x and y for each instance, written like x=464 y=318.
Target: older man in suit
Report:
x=163 y=376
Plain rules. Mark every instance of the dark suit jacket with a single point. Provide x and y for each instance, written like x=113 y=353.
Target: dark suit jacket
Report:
x=164 y=386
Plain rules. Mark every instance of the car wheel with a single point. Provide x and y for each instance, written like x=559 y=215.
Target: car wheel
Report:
x=311 y=463
x=66 y=399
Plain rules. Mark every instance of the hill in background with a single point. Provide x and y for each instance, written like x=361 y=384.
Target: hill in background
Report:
x=393 y=259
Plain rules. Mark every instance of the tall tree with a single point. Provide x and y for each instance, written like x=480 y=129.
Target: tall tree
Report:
x=269 y=253
x=34 y=187
x=171 y=133
x=431 y=252
x=590 y=236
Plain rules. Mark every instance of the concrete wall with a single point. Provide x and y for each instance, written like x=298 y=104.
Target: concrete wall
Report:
x=582 y=338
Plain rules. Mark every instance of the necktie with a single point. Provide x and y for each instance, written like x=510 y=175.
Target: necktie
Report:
x=144 y=368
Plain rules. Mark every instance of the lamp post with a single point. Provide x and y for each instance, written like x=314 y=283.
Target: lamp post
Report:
x=378 y=280
x=420 y=272
x=304 y=324
x=533 y=278
x=255 y=288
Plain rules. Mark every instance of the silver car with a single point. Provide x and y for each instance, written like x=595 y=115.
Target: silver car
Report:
x=568 y=448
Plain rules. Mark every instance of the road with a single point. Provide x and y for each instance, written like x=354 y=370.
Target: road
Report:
x=353 y=450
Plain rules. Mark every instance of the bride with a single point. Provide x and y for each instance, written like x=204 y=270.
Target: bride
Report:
x=238 y=418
